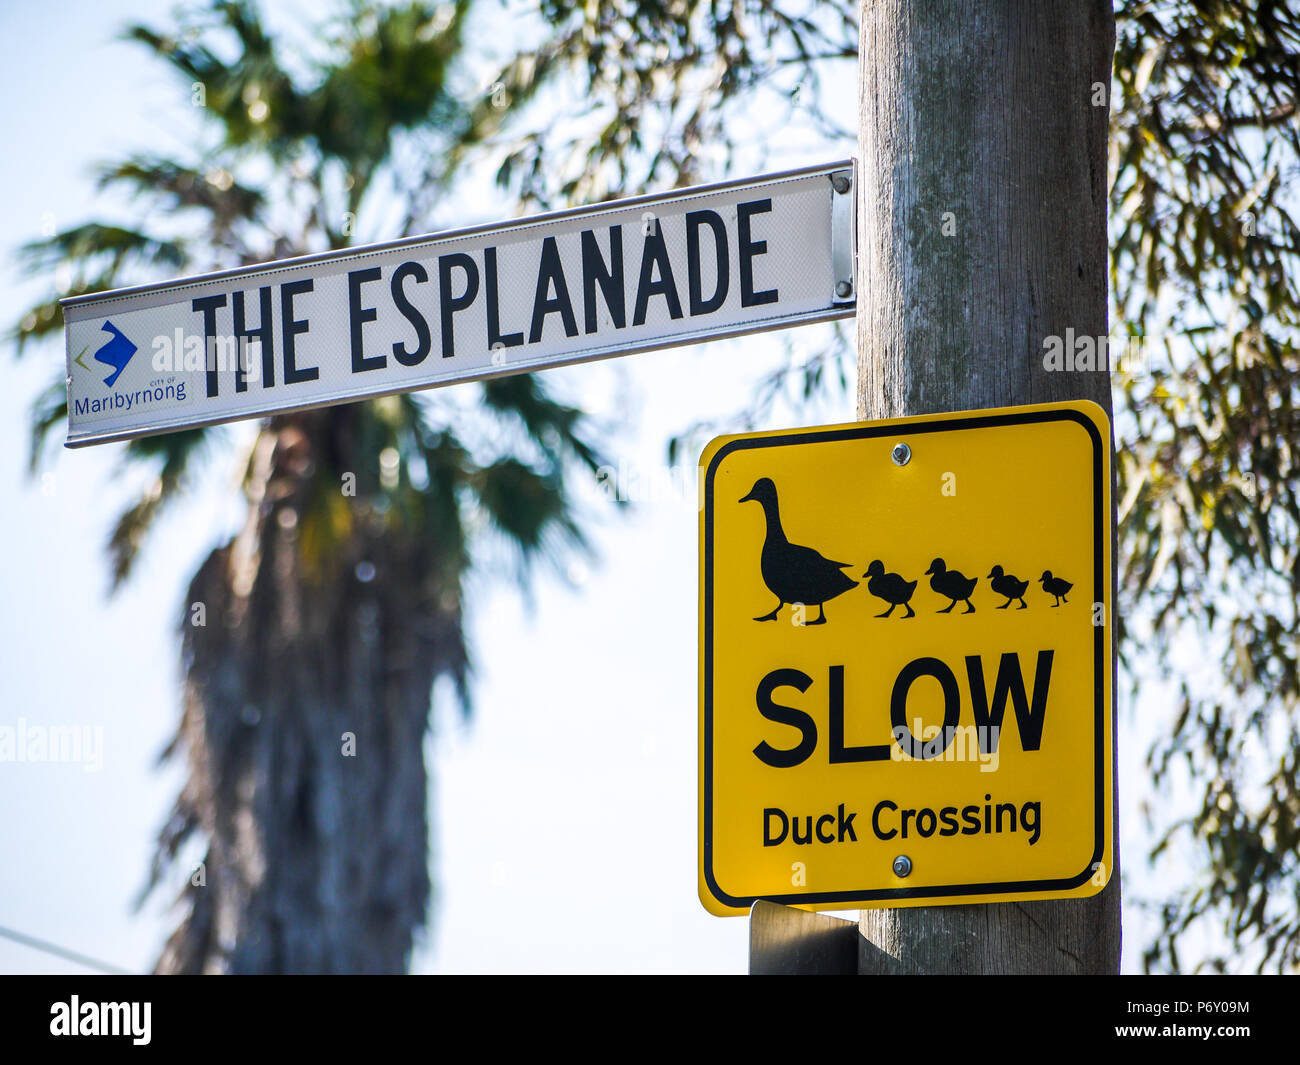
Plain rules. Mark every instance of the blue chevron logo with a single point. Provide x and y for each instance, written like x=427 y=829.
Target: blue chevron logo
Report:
x=116 y=352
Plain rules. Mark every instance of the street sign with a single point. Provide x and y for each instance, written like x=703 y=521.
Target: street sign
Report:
x=905 y=661
x=631 y=275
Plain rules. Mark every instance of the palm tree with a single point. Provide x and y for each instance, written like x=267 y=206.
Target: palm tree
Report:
x=326 y=621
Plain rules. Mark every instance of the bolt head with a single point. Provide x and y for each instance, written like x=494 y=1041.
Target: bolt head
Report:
x=902 y=865
x=843 y=289
x=902 y=454
x=840 y=184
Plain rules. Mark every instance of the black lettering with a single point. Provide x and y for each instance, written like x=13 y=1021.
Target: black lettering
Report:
x=948 y=817
x=610 y=279
x=208 y=306
x=1026 y=824
x=971 y=815
x=748 y=250
x=490 y=292
x=290 y=328
x=920 y=822
x=1010 y=810
x=1029 y=715
x=838 y=752
x=448 y=304
x=785 y=715
x=358 y=316
x=924 y=667
x=825 y=819
x=845 y=825
x=655 y=252
x=938 y=743
x=551 y=273
x=794 y=830
x=768 y=840
x=264 y=334
x=883 y=804
x=408 y=310
x=694 y=280
x=907 y=816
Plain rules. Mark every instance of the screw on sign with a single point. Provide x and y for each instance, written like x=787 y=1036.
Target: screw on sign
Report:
x=968 y=722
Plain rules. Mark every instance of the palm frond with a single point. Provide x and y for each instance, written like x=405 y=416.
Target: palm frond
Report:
x=177 y=186
x=174 y=453
x=49 y=409
x=45 y=318
x=96 y=242
x=253 y=98
x=527 y=506
x=394 y=77
x=555 y=427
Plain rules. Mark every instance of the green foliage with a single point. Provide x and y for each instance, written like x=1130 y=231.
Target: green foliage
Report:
x=98 y=256
x=378 y=80
x=173 y=454
x=1205 y=146
x=166 y=184
x=650 y=87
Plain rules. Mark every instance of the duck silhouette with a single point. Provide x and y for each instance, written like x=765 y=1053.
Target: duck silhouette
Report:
x=1012 y=587
x=891 y=588
x=794 y=574
x=1055 y=586
x=951 y=584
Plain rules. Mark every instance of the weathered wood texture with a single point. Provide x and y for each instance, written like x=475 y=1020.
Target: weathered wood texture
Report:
x=784 y=941
x=981 y=232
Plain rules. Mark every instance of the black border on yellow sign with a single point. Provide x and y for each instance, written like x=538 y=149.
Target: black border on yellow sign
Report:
x=1101 y=594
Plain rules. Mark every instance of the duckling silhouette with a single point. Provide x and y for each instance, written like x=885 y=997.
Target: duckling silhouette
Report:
x=1012 y=587
x=951 y=584
x=891 y=588
x=794 y=574
x=1055 y=586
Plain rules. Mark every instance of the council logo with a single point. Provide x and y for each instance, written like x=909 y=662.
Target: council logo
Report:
x=116 y=352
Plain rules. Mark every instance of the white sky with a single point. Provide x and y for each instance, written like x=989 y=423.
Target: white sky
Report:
x=564 y=814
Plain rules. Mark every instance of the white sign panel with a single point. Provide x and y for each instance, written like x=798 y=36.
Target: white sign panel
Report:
x=631 y=275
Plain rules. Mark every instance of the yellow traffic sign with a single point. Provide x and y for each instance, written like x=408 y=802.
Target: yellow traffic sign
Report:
x=906 y=661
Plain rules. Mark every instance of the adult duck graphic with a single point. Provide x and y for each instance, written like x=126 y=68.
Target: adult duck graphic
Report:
x=793 y=573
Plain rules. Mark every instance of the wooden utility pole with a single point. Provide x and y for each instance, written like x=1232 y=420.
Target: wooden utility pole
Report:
x=982 y=232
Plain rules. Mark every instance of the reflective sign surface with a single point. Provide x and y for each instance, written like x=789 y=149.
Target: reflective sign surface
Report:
x=905 y=661
x=625 y=276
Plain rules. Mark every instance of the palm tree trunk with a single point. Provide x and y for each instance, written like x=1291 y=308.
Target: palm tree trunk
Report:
x=306 y=702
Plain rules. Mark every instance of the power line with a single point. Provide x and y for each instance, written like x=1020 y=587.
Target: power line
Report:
x=63 y=952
